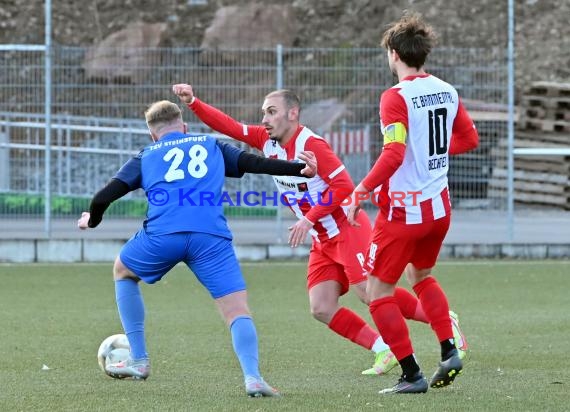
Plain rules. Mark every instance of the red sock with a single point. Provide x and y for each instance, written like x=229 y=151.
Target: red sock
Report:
x=436 y=307
x=392 y=326
x=410 y=306
x=351 y=326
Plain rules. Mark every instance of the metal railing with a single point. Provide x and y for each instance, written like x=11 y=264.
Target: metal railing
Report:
x=96 y=109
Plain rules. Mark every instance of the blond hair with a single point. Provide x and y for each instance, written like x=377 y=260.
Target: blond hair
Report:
x=162 y=113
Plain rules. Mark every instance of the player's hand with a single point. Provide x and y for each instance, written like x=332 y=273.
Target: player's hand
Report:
x=83 y=221
x=184 y=92
x=298 y=232
x=352 y=213
x=353 y=208
x=358 y=195
x=310 y=160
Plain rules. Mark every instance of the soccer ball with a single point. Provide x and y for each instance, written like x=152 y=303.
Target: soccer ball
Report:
x=113 y=349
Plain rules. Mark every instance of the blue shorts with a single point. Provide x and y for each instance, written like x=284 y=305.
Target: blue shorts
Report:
x=212 y=259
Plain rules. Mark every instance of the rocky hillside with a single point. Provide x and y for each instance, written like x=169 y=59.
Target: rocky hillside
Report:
x=542 y=30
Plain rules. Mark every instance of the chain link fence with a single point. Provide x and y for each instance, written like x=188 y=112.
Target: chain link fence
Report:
x=98 y=104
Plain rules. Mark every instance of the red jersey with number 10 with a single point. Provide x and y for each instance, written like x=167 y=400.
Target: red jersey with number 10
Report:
x=432 y=115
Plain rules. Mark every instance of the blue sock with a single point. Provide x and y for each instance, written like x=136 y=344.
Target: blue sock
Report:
x=131 y=310
x=244 y=339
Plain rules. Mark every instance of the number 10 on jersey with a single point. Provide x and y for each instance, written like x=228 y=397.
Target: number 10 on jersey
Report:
x=437 y=131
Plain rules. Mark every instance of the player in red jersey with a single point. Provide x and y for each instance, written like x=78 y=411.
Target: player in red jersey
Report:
x=337 y=252
x=423 y=122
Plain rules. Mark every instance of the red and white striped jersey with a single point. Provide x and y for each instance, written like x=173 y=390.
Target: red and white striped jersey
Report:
x=431 y=113
x=305 y=193
x=318 y=199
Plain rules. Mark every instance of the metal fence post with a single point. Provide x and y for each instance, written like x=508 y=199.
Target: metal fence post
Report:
x=5 y=160
x=279 y=85
x=279 y=68
x=510 y=123
x=48 y=55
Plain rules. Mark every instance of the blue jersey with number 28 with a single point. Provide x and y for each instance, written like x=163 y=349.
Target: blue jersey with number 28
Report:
x=183 y=177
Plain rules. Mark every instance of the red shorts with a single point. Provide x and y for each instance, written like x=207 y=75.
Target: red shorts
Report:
x=395 y=244
x=341 y=258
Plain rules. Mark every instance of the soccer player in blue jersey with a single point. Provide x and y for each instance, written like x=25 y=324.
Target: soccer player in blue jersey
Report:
x=183 y=175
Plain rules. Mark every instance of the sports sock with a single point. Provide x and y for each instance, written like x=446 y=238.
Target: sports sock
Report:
x=244 y=340
x=410 y=305
x=436 y=307
x=379 y=345
x=392 y=326
x=131 y=310
x=351 y=326
x=410 y=368
x=447 y=349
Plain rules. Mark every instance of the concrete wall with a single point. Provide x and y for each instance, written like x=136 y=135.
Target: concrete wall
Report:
x=89 y=250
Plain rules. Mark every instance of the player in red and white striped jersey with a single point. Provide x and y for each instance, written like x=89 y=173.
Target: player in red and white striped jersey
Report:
x=423 y=122
x=337 y=252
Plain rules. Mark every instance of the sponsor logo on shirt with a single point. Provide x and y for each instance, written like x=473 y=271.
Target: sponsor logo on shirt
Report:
x=302 y=187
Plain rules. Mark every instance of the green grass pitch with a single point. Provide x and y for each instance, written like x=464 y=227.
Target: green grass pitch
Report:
x=515 y=316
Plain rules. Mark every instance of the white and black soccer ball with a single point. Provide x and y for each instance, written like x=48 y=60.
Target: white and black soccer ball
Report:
x=113 y=349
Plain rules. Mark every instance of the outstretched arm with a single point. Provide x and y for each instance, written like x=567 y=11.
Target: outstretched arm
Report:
x=114 y=190
x=127 y=179
x=237 y=162
x=251 y=163
x=255 y=136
